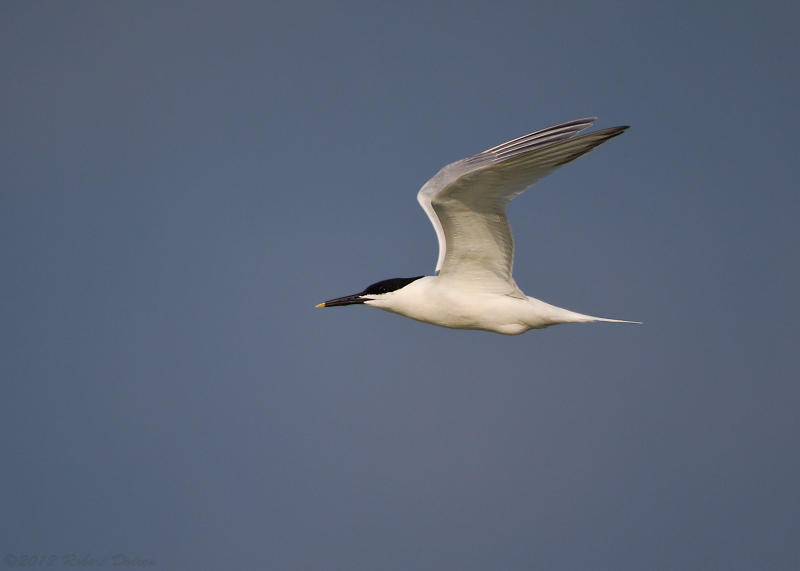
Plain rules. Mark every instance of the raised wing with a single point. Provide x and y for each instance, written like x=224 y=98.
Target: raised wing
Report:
x=467 y=200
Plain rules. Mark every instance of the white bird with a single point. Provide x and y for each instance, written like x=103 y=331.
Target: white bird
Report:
x=466 y=201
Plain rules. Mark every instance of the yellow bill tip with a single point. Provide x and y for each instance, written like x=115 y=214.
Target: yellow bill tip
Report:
x=320 y=305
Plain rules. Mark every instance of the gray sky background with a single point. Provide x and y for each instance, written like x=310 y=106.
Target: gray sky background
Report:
x=182 y=182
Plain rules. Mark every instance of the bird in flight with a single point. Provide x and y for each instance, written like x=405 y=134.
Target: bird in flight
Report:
x=466 y=201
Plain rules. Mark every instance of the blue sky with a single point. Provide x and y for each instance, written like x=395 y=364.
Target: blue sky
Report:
x=182 y=182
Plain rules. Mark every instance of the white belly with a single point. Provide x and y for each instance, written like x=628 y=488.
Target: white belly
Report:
x=458 y=309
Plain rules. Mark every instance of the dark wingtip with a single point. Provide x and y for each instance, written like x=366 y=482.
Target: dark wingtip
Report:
x=610 y=132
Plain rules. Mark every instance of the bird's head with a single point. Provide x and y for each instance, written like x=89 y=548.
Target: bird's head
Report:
x=377 y=292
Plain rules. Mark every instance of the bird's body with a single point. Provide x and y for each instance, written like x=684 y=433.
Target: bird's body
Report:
x=433 y=301
x=466 y=202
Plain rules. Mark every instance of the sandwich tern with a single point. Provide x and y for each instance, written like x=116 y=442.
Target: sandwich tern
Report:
x=466 y=202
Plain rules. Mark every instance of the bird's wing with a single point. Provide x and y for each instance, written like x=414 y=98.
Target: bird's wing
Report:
x=467 y=200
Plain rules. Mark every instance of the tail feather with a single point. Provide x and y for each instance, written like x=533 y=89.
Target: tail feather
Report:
x=573 y=317
x=545 y=315
x=614 y=320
